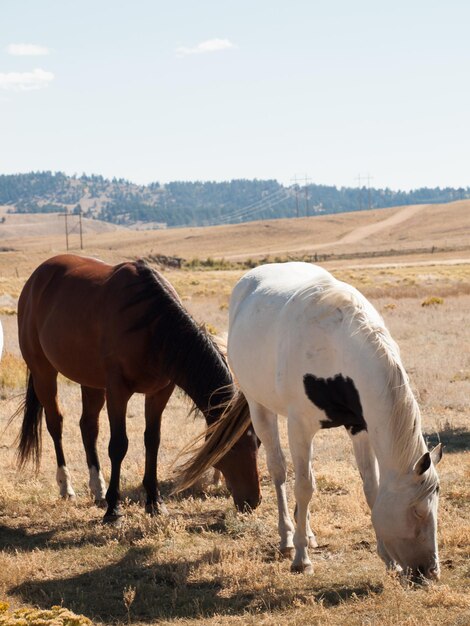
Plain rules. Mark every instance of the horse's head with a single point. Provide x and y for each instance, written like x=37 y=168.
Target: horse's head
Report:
x=240 y=469
x=404 y=516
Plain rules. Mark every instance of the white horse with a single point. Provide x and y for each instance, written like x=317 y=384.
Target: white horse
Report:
x=304 y=345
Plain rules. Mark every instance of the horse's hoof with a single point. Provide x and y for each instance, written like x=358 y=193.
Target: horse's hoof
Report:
x=287 y=553
x=101 y=503
x=156 y=508
x=301 y=568
x=113 y=520
x=113 y=517
x=312 y=542
x=69 y=496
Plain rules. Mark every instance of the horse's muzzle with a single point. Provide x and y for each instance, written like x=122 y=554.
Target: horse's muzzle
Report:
x=424 y=575
x=247 y=505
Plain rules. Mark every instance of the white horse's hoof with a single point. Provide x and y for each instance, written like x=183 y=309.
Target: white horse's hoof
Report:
x=312 y=542
x=301 y=568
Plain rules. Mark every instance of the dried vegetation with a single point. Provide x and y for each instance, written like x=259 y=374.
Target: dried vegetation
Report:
x=206 y=564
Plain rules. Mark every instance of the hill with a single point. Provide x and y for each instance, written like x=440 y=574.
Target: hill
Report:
x=21 y=225
x=427 y=228
x=197 y=203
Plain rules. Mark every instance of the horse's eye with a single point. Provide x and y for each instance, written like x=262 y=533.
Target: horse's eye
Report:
x=417 y=514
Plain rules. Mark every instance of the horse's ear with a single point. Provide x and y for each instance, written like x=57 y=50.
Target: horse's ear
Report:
x=422 y=464
x=436 y=454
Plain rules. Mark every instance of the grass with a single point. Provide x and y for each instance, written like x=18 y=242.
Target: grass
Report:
x=206 y=564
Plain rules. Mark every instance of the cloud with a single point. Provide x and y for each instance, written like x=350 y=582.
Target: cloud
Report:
x=27 y=50
x=211 y=45
x=25 y=81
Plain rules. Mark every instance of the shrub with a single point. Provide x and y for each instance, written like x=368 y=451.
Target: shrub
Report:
x=432 y=300
x=56 y=616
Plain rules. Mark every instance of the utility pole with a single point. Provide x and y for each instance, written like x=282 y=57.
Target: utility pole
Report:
x=80 y=222
x=359 y=178
x=66 y=214
x=69 y=231
x=367 y=178
x=296 y=195
x=305 y=180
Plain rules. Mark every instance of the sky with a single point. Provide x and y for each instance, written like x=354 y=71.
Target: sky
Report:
x=333 y=91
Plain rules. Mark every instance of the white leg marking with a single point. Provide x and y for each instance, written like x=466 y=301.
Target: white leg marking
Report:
x=64 y=481
x=217 y=477
x=97 y=484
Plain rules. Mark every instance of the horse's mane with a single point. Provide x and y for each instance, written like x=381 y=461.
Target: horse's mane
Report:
x=362 y=320
x=183 y=349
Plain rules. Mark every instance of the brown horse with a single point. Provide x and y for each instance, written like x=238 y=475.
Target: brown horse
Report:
x=120 y=330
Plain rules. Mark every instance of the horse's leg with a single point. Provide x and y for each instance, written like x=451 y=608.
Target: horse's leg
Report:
x=117 y=397
x=45 y=386
x=266 y=427
x=92 y=402
x=367 y=465
x=312 y=540
x=300 y=443
x=369 y=471
x=154 y=405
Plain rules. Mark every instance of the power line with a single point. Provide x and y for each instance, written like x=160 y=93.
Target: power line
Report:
x=255 y=205
x=267 y=202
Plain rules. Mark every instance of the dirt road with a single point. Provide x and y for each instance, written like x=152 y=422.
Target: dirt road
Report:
x=358 y=234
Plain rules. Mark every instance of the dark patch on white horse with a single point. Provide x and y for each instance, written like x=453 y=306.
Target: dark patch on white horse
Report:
x=339 y=398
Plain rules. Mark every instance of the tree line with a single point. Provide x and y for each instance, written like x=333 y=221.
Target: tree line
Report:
x=182 y=203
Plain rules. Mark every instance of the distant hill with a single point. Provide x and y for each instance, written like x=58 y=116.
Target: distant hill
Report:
x=119 y=201
x=27 y=225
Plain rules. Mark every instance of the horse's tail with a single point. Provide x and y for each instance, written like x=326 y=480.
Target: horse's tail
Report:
x=29 y=439
x=219 y=438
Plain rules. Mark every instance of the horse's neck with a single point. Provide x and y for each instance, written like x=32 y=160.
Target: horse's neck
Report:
x=390 y=409
x=208 y=383
x=394 y=427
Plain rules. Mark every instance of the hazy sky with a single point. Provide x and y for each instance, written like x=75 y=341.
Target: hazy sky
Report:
x=222 y=89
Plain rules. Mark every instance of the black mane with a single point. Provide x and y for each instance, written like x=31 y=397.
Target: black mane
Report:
x=183 y=349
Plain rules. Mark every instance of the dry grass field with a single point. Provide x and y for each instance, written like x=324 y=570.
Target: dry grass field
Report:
x=206 y=564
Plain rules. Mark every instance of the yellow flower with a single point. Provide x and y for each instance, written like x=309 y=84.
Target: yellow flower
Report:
x=4 y=606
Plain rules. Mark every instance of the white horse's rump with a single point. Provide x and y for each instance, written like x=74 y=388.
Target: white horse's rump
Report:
x=307 y=346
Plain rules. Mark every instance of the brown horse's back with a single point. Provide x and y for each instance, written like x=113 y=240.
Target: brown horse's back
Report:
x=72 y=317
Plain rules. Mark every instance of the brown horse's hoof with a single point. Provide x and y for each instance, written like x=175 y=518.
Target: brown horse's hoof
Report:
x=156 y=508
x=301 y=568
x=287 y=553
x=113 y=517
x=101 y=504
x=113 y=520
